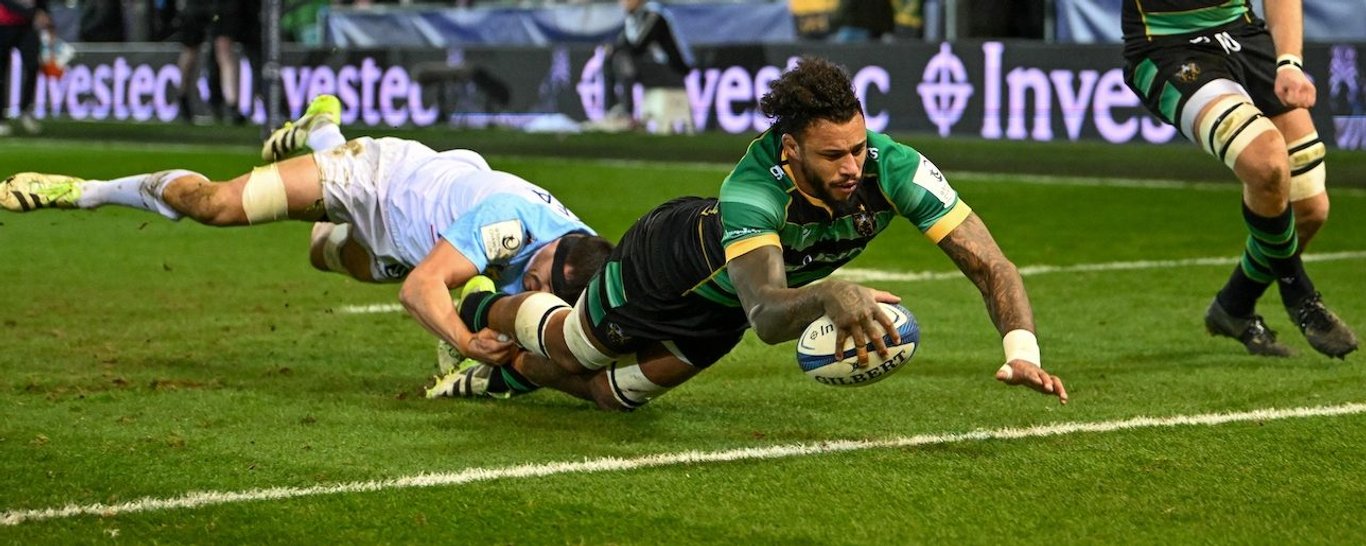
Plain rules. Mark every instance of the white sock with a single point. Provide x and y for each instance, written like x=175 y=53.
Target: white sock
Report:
x=139 y=191
x=325 y=137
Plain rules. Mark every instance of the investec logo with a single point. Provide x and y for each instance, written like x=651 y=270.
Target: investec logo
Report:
x=946 y=86
x=944 y=89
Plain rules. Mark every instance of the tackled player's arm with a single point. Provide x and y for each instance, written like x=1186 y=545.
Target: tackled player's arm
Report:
x=972 y=248
x=426 y=293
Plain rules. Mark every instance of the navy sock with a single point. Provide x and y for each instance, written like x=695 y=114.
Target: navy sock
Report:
x=1239 y=295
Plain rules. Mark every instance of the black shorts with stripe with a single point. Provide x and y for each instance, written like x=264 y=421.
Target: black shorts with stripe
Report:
x=1167 y=70
x=644 y=292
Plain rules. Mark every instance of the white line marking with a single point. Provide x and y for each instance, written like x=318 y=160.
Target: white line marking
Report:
x=1135 y=183
x=611 y=464
x=372 y=308
x=857 y=274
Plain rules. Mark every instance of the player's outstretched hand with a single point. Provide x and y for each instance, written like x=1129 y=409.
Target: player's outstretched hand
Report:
x=855 y=311
x=491 y=347
x=1021 y=372
x=1294 y=89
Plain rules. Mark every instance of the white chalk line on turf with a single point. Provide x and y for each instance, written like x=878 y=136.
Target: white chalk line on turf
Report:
x=612 y=464
x=857 y=274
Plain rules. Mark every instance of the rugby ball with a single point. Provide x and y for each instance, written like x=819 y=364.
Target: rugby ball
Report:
x=818 y=358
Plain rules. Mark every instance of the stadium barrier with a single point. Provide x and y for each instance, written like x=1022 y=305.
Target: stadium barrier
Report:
x=989 y=89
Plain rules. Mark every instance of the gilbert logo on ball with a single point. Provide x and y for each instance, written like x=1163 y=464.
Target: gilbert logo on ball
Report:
x=817 y=356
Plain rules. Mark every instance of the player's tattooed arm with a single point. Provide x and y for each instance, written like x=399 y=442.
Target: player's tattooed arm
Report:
x=778 y=313
x=977 y=255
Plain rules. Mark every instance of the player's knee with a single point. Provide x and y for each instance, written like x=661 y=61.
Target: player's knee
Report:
x=1229 y=125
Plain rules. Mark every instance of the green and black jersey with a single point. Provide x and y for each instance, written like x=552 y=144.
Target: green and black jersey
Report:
x=666 y=280
x=760 y=205
x=1147 y=20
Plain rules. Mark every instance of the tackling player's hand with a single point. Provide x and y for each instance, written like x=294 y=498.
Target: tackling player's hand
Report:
x=856 y=314
x=1294 y=89
x=1023 y=372
x=490 y=347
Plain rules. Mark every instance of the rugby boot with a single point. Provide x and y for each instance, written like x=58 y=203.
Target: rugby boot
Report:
x=293 y=136
x=470 y=380
x=1323 y=329
x=1251 y=331
x=24 y=192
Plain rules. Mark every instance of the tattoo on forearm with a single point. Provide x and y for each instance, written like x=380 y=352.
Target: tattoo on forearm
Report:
x=980 y=259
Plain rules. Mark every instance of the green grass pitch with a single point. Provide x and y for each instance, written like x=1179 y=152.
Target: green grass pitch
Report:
x=143 y=360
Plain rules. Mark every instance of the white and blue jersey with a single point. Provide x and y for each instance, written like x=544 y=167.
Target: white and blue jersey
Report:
x=402 y=199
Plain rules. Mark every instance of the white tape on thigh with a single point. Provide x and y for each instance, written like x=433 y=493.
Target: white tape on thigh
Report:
x=1229 y=126
x=630 y=386
x=1307 y=173
x=263 y=197
x=581 y=346
x=533 y=318
x=1202 y=97
x=332 y=247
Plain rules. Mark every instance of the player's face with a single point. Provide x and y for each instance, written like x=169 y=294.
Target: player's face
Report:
x=537 y=277
x=828 y=159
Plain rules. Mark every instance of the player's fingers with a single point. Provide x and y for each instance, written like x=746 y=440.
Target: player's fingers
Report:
x=889 y=326
x=885 y=297
x=860 y=345
x=1043 y=381
x=873 y=332
x=1062 y=391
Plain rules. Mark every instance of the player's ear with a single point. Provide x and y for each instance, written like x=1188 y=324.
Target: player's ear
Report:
x=790 y=145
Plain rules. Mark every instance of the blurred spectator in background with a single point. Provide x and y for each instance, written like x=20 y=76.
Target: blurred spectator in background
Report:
x=909 y=18
x=20 y=22
x=102 y=21
x=161 y=20
x=647 y=52
x=862 y=20
x=221 y=22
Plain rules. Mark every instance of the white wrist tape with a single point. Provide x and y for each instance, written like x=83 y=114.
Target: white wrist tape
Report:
x=1021 y=344
x=1289 y=61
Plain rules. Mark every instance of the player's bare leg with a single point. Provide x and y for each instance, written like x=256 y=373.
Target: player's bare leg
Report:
x=1235 y=131
x=289 y=189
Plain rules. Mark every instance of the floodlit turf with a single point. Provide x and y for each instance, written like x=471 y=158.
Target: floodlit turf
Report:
x=147 y=359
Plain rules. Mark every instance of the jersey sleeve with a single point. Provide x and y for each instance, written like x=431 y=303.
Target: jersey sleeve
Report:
x=752 y=212
x=494 y=232
x=918 y=190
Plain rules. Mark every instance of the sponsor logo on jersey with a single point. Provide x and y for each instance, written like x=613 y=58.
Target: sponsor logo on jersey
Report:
x=502 y=240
